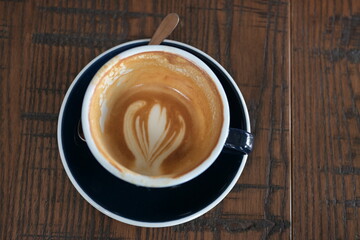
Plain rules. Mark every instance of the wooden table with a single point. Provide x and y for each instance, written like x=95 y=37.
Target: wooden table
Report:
x=296 y=62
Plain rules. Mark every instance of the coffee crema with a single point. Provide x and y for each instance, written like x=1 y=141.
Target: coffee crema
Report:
x=156 y=114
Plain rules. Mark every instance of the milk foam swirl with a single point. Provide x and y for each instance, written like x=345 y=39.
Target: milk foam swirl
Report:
x=151 y=137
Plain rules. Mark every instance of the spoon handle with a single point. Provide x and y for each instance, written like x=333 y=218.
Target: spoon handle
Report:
x=166 y=27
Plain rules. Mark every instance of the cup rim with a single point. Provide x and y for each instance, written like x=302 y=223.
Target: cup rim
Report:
x=115 y=216
x=127 y=174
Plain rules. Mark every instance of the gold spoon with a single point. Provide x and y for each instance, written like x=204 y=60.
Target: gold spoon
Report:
x=165 y=28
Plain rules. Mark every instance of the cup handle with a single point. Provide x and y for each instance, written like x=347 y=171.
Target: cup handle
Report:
x=240 y=140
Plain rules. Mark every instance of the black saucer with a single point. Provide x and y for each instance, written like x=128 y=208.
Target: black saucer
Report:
x=142 y=206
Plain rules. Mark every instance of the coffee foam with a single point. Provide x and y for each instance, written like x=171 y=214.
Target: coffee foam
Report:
x=156 y=114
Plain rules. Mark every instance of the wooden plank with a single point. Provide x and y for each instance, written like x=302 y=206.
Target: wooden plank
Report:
x=44 y=44
x=325 y=47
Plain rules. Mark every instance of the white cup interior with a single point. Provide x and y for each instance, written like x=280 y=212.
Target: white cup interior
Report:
x=133 y=177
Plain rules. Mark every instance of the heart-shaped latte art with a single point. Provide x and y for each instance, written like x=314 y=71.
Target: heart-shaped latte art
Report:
x=151 y=134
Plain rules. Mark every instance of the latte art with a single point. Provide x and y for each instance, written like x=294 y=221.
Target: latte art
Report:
x=152 y=136
x=155 y=114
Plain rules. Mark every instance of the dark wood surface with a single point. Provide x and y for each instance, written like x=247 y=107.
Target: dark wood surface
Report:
x=325 y=120
x=296 y=62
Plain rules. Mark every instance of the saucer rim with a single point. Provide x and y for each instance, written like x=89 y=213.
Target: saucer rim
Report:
x=127 y=220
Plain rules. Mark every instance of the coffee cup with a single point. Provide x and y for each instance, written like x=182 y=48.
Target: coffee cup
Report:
x=157 y=116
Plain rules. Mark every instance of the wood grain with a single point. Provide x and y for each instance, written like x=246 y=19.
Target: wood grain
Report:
x=325 y=78
x=43 y=46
